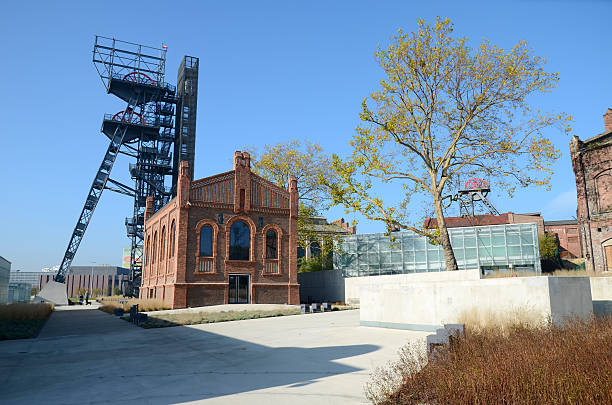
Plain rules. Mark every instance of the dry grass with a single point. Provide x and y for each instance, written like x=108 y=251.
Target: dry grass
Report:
x=477 y=319
x=22 y=320
x=25 y=311
x=194 y=318
x=144 y=305
x=521 y=365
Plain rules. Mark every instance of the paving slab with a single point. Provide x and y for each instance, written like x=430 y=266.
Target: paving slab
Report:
x=323 y=358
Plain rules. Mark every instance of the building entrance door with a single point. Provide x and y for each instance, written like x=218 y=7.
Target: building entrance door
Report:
x=239 y=289
x=608 y=254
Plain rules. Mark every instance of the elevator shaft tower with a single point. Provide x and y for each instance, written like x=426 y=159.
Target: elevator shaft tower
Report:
x=144 y=131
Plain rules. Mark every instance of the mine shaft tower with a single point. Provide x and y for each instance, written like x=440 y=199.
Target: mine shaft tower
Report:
x=145 y=131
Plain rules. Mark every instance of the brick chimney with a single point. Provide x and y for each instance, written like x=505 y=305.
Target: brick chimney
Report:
x=608 y=120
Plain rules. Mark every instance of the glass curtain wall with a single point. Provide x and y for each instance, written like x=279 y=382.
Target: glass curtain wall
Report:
x=489 y=248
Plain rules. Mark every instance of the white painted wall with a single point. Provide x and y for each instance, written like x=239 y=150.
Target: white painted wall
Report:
x=427 y=304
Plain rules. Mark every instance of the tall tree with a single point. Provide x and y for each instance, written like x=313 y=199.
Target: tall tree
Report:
x=445 y=109
x=309 y=164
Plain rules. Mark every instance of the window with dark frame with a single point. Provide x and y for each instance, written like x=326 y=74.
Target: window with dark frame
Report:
x=271 y=244
x=240 y=241
x=206 y=239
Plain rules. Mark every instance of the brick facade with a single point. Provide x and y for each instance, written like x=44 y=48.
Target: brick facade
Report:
x=568 y=237
x=174 y=270
x=592 y=163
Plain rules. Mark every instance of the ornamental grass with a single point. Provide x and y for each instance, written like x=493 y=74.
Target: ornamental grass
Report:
x=546 y=364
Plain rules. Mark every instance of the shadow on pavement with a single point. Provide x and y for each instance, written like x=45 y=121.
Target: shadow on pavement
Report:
x=157 y=366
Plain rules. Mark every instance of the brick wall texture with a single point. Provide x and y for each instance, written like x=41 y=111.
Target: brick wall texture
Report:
x=592 y=163
x=175 y=272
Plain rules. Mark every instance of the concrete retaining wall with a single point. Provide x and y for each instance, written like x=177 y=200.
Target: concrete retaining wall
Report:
x=352 y=285
x=428 y=304
x=601 y=291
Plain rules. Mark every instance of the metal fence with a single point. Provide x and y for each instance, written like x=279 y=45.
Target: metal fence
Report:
x=489 y=248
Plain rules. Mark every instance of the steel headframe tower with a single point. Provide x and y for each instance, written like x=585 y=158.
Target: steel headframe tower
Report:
x=475 y=190
x=144 y=130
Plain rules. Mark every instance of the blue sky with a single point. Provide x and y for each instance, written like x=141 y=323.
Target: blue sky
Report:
x=270 y=71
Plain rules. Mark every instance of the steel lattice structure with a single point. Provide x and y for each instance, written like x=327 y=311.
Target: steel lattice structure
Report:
x=144 y=130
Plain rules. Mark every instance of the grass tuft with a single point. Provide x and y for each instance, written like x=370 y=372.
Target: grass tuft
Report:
x=519 y=365
x=144 y=305
x=23 y=320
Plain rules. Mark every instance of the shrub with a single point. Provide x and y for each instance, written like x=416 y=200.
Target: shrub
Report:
x=522 y=365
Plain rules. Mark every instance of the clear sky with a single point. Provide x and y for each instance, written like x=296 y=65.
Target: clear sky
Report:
x=270 y=71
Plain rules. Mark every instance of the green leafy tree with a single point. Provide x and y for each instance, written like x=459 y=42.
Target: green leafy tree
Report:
x=446 y=110
x=549 y=246
x=309 y=164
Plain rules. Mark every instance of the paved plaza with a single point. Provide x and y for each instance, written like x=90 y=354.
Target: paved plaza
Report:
x=84 y=356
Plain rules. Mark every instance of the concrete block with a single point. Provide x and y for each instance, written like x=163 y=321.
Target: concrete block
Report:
x=429 y=305
x=601 y=293
x=53 y=292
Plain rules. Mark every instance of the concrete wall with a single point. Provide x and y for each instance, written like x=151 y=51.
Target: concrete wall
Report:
x=601 y=291
x=5 y=272
x=428 y=304
x=322 y=286
x=352 y=285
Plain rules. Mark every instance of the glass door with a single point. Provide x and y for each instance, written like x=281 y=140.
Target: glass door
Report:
x=238 y=289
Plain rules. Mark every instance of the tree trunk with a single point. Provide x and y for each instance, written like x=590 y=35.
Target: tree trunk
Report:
x=449 y=255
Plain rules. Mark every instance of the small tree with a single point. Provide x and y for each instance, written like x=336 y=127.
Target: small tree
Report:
x=444 y=110
x=309 y=164
x=549 y=246
x=117 y=291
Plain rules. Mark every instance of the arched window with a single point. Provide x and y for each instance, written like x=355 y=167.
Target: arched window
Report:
x=154 y=256
x=240 y=241
x=148 y=249
x=172 y=238
x=315 y=249
x=162 y=251
x=271 y=244
x=206 y=241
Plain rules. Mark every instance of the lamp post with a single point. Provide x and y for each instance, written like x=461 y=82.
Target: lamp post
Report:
x=91 y=279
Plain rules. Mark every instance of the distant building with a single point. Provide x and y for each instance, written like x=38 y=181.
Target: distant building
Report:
x=592 y=163
x=567 y=235
x=323 y=229
x=488 y=219
x=5 y=270
x=29 y=277
x=103 y=279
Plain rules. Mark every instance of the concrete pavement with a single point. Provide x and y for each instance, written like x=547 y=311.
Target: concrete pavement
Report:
x=302 y=359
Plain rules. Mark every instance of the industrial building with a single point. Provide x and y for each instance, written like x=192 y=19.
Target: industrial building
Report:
x=98 y=280
x=224 y=239
x=5 y=270
x=592 y=163
x=488 y=248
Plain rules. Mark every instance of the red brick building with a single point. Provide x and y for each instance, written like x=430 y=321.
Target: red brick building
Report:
x=567 y=235
x=592 y=163
x=488 y=219
x=228 y=238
